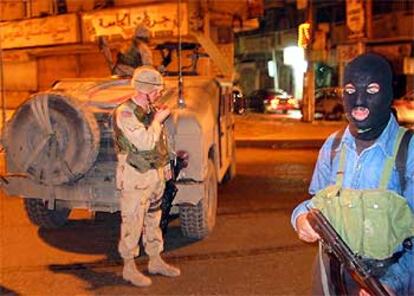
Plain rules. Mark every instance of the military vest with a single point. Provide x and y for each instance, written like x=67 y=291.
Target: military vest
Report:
x=373 y=222
x=142 y=160
x=132 y=57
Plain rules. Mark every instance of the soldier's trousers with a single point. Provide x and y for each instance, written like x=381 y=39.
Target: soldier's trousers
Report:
x=140 y=198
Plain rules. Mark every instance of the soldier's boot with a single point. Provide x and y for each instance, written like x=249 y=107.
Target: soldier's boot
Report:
x=131 y=274
x=157 y=265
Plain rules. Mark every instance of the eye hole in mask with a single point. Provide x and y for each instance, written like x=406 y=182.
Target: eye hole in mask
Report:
x=373 y=88
x=349 y=89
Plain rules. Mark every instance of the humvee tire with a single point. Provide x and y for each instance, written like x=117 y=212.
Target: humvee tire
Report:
x=198 y=221
x=40 y=215
x=57 y=142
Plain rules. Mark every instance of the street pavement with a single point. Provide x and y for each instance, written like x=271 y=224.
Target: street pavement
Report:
x=253 y=249
x=263 y=130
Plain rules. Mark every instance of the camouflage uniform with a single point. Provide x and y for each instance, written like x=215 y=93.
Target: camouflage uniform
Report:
x=138 y=54
x=142 y=157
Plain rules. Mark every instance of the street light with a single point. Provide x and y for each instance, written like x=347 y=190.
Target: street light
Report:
x=294 y=56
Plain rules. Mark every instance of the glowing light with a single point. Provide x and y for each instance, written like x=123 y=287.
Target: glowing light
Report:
x=271 y=68
x=295 y=56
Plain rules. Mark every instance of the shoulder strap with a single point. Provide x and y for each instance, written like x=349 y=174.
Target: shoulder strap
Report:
x=401 y=159
x=391 y=161
x=336 y=142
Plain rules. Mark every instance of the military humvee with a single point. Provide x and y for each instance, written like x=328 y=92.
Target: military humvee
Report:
x=60 y=152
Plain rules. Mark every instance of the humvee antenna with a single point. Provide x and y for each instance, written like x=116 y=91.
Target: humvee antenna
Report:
x=181 y=101
x=3 y=94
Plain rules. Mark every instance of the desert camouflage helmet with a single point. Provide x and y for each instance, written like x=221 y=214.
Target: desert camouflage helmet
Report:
x=142 y=32
x=147 y=79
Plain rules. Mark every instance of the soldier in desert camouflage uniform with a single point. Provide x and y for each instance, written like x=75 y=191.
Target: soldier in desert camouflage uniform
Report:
x=143 y=168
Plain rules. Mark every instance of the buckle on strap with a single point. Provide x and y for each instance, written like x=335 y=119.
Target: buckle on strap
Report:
x=378 y=267
x=408 y=243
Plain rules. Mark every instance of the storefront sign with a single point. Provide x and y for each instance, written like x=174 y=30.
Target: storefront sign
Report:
x=255 y=8
x=355 y=18
x=255 y=44
x=408 y=68
x=161 y=19
x=54 y=30
x=15 y=56
x=393 y=52
x=347 y=52
x=301 y=4
x=317 y=55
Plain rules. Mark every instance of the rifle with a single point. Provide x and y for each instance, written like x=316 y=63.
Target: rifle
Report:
x=171 y=190
x=335 y=245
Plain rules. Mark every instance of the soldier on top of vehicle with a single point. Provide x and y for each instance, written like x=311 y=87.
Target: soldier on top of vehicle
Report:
x=138 y=53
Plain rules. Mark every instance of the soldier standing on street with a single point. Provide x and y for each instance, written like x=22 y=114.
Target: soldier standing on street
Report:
x=138 y=53
x=143 y=168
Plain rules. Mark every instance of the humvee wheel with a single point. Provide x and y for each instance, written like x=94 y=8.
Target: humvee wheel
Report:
x=198 y=221
x=53 y=139
x=40 y=215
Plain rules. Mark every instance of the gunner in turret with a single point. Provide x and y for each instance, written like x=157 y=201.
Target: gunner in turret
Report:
x=138 y=53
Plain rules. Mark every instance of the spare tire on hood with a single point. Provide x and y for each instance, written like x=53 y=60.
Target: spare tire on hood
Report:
x=52 y=138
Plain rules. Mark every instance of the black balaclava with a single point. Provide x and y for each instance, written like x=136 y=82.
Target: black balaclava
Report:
x=368 y=95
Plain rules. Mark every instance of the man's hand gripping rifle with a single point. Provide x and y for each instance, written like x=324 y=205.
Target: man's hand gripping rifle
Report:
x=334 y=244
x=171 y=190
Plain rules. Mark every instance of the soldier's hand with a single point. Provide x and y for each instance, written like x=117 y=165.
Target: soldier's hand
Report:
x=305 y=230
x=161 y=115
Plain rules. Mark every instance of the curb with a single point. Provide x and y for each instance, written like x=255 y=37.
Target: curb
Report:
x=281 y=144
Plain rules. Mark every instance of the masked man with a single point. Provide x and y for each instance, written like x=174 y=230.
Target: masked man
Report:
x=143 y=167
x=358 y=187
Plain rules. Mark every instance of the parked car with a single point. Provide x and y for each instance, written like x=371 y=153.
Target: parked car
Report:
x=403 y=108
x=239 y=101
x=272 y=101
x=329 y=103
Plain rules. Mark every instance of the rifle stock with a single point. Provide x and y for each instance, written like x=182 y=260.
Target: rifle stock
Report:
x=166 y=204
x=335 y=244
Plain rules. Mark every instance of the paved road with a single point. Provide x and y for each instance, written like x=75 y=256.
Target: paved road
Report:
x=251 y=251
x=255 y=126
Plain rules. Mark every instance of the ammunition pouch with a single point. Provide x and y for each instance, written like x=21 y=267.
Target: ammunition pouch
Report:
x=131 y=58
x=143 y=161
x=372 y=222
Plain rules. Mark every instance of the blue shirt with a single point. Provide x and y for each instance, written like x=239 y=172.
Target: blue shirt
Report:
x=364 y=171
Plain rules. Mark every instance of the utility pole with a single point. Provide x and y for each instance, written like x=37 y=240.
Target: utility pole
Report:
x=309 y=83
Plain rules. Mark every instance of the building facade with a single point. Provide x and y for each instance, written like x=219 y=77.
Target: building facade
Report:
x=341 y=30
x=42 y=41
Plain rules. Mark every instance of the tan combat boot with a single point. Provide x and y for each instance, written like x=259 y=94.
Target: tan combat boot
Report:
x=131 y=274
x=157 y=265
